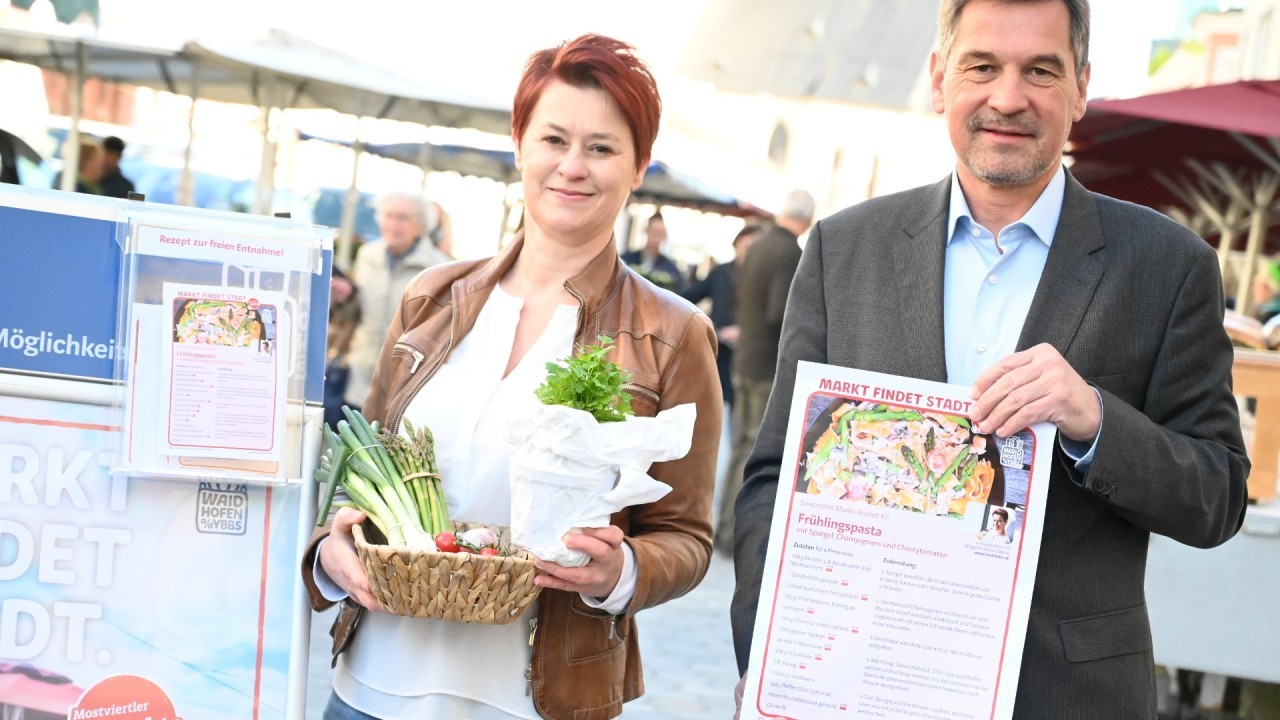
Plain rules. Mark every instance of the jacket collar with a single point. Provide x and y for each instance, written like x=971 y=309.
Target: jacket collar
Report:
x=919 y=261
x=595 y=284
x=1071 y=274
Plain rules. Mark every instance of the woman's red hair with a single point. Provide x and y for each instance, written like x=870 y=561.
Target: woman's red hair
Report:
x=595 y=61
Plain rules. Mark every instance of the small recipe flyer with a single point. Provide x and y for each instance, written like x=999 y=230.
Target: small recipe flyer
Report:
x=902 y=555
x=225 y=380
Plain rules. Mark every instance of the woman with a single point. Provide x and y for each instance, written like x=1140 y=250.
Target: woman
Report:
x=998 y=533
x=465 y=353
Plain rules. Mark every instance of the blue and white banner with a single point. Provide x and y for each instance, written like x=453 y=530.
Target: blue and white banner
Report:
x=61 y=287
x=188 y=586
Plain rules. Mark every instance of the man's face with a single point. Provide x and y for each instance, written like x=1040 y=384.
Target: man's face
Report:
x=110 y=161
x=398 y=222
x=1009 y=91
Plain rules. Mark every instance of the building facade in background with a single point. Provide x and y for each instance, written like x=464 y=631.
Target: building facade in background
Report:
x=1260 y=41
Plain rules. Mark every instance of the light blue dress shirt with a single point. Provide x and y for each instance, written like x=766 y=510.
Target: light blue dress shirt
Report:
x=989 y=283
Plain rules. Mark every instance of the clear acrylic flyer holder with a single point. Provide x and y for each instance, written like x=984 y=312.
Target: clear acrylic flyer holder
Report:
x=211 y=344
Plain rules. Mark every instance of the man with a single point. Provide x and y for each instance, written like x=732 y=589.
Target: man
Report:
x=113 y=183
x=381 y=272
x=1056 y=305
x=719 y=286
x=649 y=260
x=762 y=298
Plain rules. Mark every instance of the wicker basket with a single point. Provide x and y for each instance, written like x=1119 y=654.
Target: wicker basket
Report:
x=459 y=587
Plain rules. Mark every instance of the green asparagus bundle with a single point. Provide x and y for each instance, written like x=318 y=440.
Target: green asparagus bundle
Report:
x=414 y=455
x=391 y=478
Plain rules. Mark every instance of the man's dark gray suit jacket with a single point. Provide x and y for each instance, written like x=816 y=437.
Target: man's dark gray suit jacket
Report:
x=1134 y=302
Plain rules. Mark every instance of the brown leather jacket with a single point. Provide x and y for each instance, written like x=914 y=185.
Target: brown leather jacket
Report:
x=669 y=348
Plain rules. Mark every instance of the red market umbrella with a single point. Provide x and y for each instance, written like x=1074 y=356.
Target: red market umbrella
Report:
x=1120 y=146
x=35 y=689
x=1208 y=155
x=1251 y=107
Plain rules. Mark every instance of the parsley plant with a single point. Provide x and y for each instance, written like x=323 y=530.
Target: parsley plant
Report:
x=588 y=381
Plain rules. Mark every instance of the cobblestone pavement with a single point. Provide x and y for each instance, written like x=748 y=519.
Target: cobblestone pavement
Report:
x=687 y=649
x=686 y=646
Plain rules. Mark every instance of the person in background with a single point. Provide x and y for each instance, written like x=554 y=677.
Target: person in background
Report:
x=89 y=168
x=1266 y=289
x=1011 y=278
x=113 y=183
x=9 y=158
x=763 y=281
x=718 y=287
x=382 y=270
x=442 y=234
x=464 y=356
x=344 y=318
x=649 y=261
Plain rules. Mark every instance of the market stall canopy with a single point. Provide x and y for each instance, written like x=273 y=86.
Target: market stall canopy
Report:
x=665 y=185
x=860 y=51
x=279 y=69
x=662 y=185
x=1208 y=156
x=439 y=157
x=152 y=66
x=316 y=76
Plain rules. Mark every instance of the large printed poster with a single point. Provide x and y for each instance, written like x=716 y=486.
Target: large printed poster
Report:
x=136 y=598
x=902 y=555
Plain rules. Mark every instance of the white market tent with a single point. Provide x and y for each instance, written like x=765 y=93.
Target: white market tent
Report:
x=277 y=71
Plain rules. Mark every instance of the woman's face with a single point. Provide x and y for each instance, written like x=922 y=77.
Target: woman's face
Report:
x=578 y=164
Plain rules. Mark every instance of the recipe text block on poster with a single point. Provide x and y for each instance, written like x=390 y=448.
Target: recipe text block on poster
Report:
x=902 y=555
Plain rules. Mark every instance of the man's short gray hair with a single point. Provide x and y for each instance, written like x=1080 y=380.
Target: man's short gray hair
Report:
x=949 y=20
x=798 y=205
x=424 y=212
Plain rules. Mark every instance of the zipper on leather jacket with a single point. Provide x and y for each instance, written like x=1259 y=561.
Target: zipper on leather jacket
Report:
x=641 y=390
x=613 y=628
x=418 y=357
x=528 y=671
